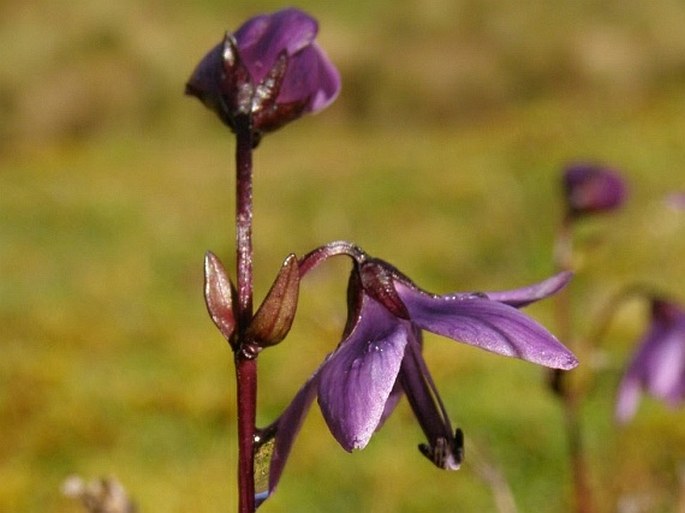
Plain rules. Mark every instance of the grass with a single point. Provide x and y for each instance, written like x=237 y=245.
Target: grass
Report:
x=113 y=187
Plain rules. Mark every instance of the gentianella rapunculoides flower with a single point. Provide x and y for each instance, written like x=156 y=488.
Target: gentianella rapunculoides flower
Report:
x=379 y=359
x=658 y=366
x=270 y=69
x=592 y=188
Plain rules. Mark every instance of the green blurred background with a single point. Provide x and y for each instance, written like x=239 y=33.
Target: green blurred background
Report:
x=442 y=155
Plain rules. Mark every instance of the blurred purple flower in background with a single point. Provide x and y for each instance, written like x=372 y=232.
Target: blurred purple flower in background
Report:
x=592 y=188
x=270 y=68
x=379 y=358
x=659 y=363
x=676 y=200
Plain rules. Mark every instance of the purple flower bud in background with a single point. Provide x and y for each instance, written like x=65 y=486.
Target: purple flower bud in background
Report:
x=658 y=366
x=270 y=68
x=592 y=188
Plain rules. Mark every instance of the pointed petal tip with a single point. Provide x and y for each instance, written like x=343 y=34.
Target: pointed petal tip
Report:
x=353 y=444
x=259 y=498
x=558 y=358
x=524 y=296
x=568 y=362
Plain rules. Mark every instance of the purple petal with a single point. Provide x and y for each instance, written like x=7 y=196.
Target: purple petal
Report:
x=636 y=375
x=629 y=392
x=442 y=450
x=286 y=428
x=310 y=74
x=659 y=362
x=206 y=76
x=665 y=369
x=526 y=295
x=487 y=324
x=397 y=390
x=261 y=39
x=393 y=399
x=357 y=379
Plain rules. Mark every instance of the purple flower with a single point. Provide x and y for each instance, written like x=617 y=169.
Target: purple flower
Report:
x=592 y=188
x=676 y=200
x=379 y=359
x=270 y=68
x=659 y=363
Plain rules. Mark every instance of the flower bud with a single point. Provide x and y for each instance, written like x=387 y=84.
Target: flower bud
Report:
x=270 y=69
x=591 y=188
x=219 y=294
x=275 y=316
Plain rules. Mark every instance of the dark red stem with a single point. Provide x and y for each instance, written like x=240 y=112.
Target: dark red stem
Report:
x=243 y=219
x=246 y=377
x=245 y=365
x=322 y=253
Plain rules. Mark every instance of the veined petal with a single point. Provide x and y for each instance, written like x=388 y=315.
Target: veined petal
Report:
x=487 y=324
x=357 y=379
x=262 y=38
x=526 y=295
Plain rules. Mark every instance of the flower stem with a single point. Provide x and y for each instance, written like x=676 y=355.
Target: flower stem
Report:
x=569 y=395
x=245 y=364
x=246 y=377
x=243 y=218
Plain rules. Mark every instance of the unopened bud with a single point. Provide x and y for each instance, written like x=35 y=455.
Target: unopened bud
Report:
x=270 y=69
x=591 y=188
x=275 y=316
x=219 y=294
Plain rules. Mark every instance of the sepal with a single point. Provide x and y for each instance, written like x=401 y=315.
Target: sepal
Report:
x=219 y=296
x=378 y=281
x=275 y=316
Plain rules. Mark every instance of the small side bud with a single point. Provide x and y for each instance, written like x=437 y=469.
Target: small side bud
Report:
x=275 y=315
x=219 y=294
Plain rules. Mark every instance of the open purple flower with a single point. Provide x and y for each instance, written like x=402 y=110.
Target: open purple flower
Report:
x=659 y=363
x=592 y=188
x=270 y=68
x=379 y=358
